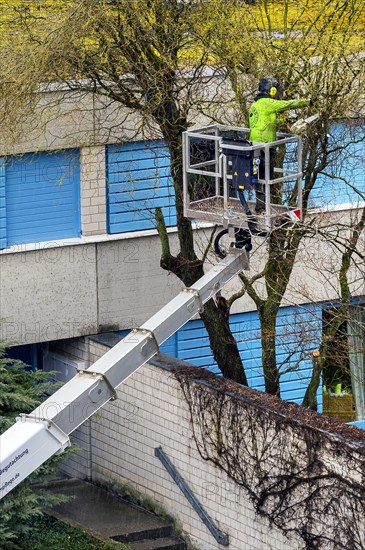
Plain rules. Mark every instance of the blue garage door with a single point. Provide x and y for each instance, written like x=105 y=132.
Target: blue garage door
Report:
x=41 y=197
x=138 y=179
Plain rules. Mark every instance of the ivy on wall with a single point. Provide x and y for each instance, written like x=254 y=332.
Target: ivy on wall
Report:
x=306 y=481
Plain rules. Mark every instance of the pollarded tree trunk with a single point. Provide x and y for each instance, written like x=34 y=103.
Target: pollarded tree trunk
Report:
x=268 y=345
x=282 y=252
x=189 y=268
x=215 y=315
x=222 y=342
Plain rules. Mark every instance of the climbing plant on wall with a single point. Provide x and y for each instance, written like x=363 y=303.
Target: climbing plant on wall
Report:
x=306 y=481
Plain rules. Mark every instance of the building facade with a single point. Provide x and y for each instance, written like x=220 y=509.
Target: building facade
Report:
x=80 y=252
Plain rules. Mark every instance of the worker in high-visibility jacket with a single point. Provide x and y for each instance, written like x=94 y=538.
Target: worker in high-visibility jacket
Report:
x=263 y=124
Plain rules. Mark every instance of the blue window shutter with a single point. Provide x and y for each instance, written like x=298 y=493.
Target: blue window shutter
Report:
x=138 y=181
x=297 y=327
x=3 y=241
x=348 y=166
x=42 y=197
x=193 y=347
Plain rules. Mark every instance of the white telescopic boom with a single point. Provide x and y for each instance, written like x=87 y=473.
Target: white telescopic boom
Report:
x=36 y=437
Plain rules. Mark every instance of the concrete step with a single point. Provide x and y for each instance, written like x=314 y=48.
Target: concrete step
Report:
x=170 y=543
x=106 y=516
x=163 y=530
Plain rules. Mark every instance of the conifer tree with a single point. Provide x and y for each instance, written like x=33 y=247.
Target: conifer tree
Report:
x=21 y=390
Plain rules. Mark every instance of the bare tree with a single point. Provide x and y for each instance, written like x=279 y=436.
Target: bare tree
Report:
x=319 y=58
x=139 y=55
x=151 y=57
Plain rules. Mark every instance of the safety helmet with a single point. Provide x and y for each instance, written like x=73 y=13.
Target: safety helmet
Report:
x=270 y=85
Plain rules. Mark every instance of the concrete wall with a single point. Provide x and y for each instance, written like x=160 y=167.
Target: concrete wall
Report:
x=53 y=293
x=63 y=119
x=151 y=412
x=315 y=274
x=47 y=294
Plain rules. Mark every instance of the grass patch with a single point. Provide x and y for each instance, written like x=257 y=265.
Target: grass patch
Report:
x=48 y=533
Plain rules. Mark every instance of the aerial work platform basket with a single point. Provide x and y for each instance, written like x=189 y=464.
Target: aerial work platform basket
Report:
x=224 y=175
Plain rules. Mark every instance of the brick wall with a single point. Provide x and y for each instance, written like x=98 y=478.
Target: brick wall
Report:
x=78 y=464
x=150 y=412
x=93 y=190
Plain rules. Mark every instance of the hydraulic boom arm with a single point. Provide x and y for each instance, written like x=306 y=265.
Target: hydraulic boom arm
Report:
x=36 y=437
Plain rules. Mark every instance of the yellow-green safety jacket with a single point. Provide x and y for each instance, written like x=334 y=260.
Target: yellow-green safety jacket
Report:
x=263 y=116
